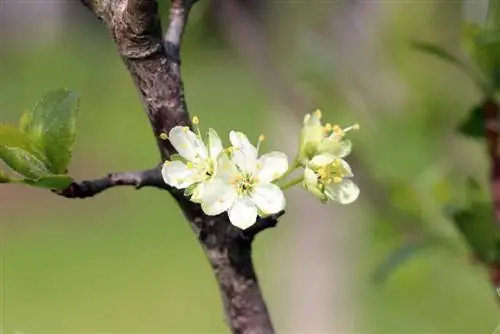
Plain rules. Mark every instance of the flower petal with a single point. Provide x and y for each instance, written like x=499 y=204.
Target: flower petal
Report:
x=344 y=192
x=335 y=146
x=218 y=196
x=188 y=144
x=226 y=169
x=269 y=198
x=312 y=131
x=346 y=169
x=214 y=144
x=271 y=166
x=244 y=153
x=243 y=213
x=177 y=174
x=198 y=191
x=310 y=177
x=322 y=159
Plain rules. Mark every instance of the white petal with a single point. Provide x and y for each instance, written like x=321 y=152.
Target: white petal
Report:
x=226 y=169
x=310 y=177
x=335 y=146
x=346 y=169
x=271 y=166
x=269 y=198
x=177 y=174
x=214 y=144
x=344 y=192
x=188 y=144
x=243 y=213
x=322 y=159
x=198 y=191
x=218 y=196
x=312 y=131
x=244 y=153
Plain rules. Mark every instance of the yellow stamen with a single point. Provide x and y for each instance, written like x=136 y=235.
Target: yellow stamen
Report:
x=196 y=120
x=262 y=138
x=327 y=128
x=163 y=136
x=317 y=113
x=337 y=179
x=189 y=164
x=185 y=129
x=337 y=130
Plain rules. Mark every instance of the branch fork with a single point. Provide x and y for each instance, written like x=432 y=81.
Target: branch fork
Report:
x=153 y=61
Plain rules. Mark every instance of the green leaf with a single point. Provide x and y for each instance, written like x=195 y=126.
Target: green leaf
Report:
x=474 y=125
x=4 y=178
x=436 y=51
x=51 y=123
x=476 y=222
x=21 y=153
x=55 y=182
x=441 y=53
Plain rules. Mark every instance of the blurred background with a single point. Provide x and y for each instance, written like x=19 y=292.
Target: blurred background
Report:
x=127 y=262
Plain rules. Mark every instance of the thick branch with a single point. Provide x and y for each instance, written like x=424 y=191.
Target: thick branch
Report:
x=138 y=179
x=153 y=62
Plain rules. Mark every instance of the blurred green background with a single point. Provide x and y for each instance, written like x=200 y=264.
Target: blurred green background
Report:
x=127 y=262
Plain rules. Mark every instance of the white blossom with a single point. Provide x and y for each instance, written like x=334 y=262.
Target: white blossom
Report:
x=243 y=184
x=200 y=165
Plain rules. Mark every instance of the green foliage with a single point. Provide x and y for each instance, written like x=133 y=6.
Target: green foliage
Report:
x=50 y=181
x=474 y=125
x=476 y=222
x=444 y=55
x=51 y=123
x=437 y=51
x=40 y=149
x=4 y=178
x=483 y=47
x=21 y=153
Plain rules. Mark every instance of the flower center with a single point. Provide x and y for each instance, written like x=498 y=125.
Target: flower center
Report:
x=333 y=172
x=244 y=184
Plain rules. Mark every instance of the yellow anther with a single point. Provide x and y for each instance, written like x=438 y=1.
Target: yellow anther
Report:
x=262 y=138
x=337 y=130
x=167 y=162
x=355 y=126
x=328 y=127
x=189 y=164
x=163 y=136
x=317 y=113
x=337 y=179
x=196 y=120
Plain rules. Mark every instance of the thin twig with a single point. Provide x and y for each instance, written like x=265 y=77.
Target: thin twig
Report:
x=137 y=179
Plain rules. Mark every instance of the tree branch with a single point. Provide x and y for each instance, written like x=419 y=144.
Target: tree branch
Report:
x=138 y=179
x=153 y=61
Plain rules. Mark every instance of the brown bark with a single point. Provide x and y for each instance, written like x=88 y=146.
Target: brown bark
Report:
x=154 y=65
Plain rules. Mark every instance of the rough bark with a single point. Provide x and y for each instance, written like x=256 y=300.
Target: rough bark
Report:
x=154 y=65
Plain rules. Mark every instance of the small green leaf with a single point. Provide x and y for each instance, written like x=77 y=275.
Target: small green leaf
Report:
x=4 y=178
x=476 y=222
x=51 y=123
x=21 y=153
x=474 y=125
x=436 y=51
x=55 y=182
x=446 y=56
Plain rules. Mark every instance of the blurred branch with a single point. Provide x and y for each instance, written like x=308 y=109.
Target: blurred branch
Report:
x=137 y=179
x=153 y=62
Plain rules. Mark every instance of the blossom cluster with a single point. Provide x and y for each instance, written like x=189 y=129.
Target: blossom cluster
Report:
x=237 y=181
